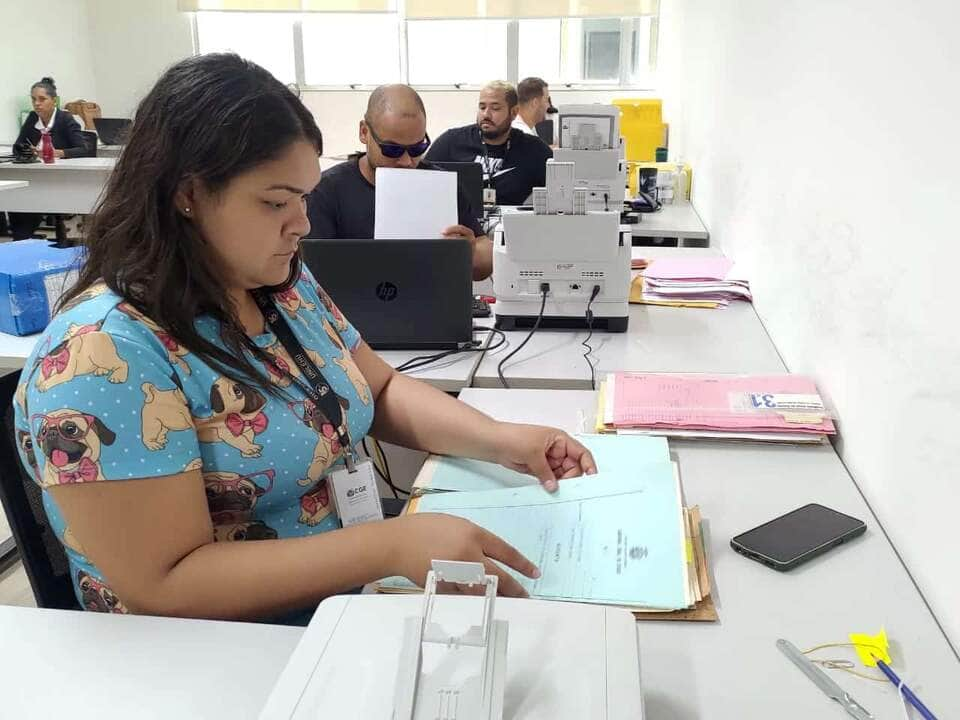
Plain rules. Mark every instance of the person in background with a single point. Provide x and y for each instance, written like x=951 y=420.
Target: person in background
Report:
x=513 y=162
x=183 y=455
x=65 y=133
x=394 y=133
x=533 y=95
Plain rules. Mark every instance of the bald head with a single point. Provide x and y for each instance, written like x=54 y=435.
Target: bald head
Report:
x=395 y=116
x=401 y=101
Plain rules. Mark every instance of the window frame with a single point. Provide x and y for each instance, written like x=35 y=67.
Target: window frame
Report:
x=624 y=82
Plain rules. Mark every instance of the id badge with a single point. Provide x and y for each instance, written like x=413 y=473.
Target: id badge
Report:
x=489 y=196
x=356 y=494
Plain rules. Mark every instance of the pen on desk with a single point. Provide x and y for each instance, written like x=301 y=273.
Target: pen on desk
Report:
x=907 y=692
x=418 y=492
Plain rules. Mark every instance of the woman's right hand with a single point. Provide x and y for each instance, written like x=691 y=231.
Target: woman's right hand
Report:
x=424 y=537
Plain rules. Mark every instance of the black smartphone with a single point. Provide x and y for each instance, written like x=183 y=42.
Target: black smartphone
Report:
x=792 y=539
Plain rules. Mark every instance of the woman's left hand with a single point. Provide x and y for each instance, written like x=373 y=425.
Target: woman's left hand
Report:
x=547 y=453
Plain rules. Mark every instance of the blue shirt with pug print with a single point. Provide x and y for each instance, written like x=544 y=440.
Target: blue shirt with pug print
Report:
x=109 y=396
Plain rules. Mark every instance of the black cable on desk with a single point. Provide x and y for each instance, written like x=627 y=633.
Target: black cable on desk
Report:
x=384 y=473
x=503 y=339
x=544 y=289
x=586 y=343
x=386 y=468
x=422 y=360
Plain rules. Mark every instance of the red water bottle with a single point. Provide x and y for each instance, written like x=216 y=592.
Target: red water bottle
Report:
x=46 y=148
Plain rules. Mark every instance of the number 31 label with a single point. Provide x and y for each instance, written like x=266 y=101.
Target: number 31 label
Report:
x=777 y=402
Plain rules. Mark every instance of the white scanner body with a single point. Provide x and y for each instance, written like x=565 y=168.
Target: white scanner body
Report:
x=570 y=255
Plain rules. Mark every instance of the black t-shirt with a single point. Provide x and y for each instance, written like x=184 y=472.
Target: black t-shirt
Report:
x=514 y=168
x=343 y=205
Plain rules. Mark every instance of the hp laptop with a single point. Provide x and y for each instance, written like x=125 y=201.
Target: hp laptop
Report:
x=470 y=181
x=112 y=131
x=399 y=294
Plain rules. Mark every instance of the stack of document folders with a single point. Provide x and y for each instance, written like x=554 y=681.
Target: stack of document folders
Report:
x=623 y=537
x=705 y=282
x=772 y=408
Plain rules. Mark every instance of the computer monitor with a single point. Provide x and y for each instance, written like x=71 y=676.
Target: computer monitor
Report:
x=544 y=130
x=112 y=131
x=399 y=294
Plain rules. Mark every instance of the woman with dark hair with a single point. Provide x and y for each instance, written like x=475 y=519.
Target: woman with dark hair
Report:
x=198 y=391
x=65 y=133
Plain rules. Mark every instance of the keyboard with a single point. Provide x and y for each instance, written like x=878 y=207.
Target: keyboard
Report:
x=480 y=308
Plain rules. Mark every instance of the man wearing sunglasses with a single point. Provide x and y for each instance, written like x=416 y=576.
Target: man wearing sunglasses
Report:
x=394 y=133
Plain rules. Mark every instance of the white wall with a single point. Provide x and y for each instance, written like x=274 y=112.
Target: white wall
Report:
x=824 y=142
x=40 y=41
x=133 y=43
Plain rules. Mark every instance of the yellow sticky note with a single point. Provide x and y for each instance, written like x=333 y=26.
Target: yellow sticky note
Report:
x=599 y=425
x=689 y=552
x=870 y=647
x=802 y=418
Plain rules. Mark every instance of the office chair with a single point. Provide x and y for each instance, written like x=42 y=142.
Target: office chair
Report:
x=44 y=558
x=59 y=221
x=89 y=142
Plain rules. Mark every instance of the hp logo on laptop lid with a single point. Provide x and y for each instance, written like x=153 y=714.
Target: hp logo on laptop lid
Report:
x=387 y=291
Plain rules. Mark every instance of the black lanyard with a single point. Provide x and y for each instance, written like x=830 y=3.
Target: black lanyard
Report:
x=317 y=386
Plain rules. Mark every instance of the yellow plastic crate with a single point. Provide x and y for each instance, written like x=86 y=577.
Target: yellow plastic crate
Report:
x=642 y=127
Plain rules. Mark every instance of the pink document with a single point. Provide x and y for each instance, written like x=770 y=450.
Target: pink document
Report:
x=689 y=268
x=717 y=402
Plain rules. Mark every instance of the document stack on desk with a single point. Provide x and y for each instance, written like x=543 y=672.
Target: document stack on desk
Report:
x=707 y=282
x=621 y=537
x=775 y=408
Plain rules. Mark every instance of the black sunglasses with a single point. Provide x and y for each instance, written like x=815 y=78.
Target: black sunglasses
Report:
x=395 y=150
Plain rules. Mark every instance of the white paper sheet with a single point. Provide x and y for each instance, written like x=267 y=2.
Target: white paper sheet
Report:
x=414 y=204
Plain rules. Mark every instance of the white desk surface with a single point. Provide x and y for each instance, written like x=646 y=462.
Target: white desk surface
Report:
x=66 y=186
x=679 y=221
x=731 y=669
x=451 y=374
x=63 y=164
x=658 y=339
x=72 y=664
x=13 y=184
x=14 y=350
x=109 y=151
x=651 y=252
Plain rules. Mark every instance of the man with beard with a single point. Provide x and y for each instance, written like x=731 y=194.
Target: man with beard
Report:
x=394 y=132
x=513 y=162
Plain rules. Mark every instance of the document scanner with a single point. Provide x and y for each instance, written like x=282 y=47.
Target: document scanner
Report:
x=448 y=657
x=590 y=137
x=443 y=674
x=575 y=256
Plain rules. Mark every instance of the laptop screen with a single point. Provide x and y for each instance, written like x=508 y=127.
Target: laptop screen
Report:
x=399 y=294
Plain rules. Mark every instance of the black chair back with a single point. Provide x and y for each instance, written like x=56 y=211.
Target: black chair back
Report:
x=89 y=142
x=44 y=558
